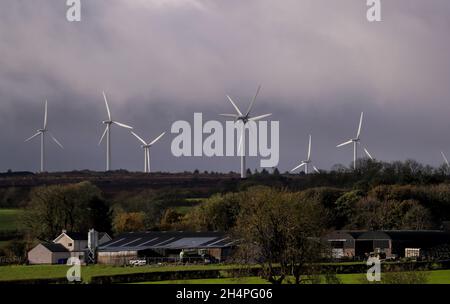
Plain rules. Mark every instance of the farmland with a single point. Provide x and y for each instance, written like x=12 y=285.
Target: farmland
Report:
x=9 y=219
x=22 y=272
x=433 y=277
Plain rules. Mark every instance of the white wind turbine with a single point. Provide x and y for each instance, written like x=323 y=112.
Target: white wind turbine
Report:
x=356 y=141
x=107 y=132
x=445 y=159
x=307 y=161
x=244 y=118
x=146 y=146
x=42 y=133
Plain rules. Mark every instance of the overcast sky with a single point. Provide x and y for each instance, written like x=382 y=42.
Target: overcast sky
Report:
x=320 y=64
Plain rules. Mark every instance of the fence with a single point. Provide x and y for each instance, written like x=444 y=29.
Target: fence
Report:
x=11 y=260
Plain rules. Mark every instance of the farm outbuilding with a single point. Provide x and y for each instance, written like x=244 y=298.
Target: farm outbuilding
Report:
x=165 y=246
x=48 y=253
x=389 y=243
x=66 y=245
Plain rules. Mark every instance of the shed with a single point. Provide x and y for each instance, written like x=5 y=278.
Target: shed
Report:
x=48 y=253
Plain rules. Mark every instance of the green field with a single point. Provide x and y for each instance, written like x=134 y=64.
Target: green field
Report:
x=434 y=277
x=23 y=272
x=9 y=219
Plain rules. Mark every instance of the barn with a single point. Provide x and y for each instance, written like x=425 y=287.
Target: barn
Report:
x=165 y=246
x=48 y=253
x=389 y=243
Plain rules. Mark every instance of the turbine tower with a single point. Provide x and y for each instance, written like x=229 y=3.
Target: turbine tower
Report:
x=107 y=132
x=356 y=141
x=307 y=161
x=244 y=118
x=146 y=146
x=42 y=133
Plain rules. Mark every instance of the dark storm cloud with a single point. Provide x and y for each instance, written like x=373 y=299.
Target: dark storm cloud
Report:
x=320 y=63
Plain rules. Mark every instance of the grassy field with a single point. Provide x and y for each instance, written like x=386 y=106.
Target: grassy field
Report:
x=434 y=277
x=9 y=219
x=23 y=272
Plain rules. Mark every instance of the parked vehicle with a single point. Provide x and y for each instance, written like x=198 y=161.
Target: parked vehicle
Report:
x=139 y=262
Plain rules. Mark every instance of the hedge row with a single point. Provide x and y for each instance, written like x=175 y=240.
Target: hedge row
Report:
x=256 y=271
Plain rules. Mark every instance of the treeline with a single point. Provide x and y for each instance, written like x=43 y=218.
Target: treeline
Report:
x=15 y=190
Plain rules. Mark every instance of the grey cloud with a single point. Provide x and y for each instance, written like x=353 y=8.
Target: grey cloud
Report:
x=320 y=63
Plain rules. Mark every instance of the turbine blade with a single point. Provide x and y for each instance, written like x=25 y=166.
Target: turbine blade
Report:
x=259 y=117
x=253 y=101
x=104 y=133
x=229 y=115
x=309 y=148
x=445 y=159
x=56 y=141
x=107 y=106
x=122 y=125
x=344 y=144
x=28 y=139
x=299 y=166
x=45 y=115
x=139 y=138
x=315 y=169
x=360 y=125
x=368 y=154
x=234 y=105
x=157 y=138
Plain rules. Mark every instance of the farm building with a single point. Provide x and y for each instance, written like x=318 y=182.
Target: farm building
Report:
x=165 y=246
x=66 y=245
x=391 y=243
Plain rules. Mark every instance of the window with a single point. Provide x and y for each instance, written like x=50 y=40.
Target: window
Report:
x=69 y=244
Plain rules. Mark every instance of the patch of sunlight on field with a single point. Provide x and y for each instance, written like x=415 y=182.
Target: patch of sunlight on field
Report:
x=9 y=219
x=23 y=272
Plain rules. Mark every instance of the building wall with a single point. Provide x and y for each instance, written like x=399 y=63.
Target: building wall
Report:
x=116 y=257
x=40 y=255
x=57 y=256
x=72 y=245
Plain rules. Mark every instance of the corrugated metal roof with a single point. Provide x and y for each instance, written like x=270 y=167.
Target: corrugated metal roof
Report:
x=167 y=240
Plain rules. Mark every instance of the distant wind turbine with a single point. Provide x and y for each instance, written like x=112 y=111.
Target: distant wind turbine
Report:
x=42 y=133
x=107 y=132
x=356 y=141
x=146 y=146
x=239 y=116
x=307 y=161
x=445 y=159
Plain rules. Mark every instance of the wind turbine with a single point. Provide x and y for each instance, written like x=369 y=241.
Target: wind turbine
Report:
x=307 y=161
x=445 y=159
x=107 y=132
x=42 y=133
x=146 y=146
x=244 y=118
x=356 y=141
